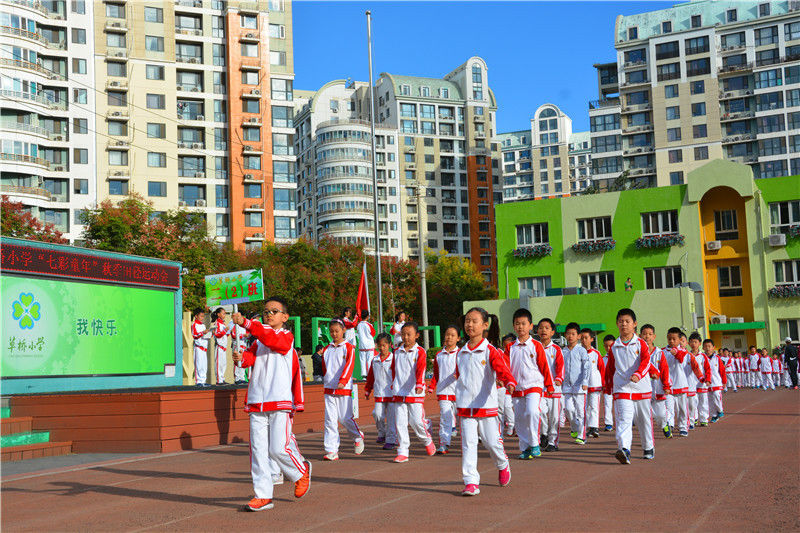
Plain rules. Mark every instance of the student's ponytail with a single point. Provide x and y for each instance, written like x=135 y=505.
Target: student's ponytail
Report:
x=493 y=335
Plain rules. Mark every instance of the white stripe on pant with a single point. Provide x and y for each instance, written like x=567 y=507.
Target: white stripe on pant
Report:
x=715 y=402
x=551 y=415
x=593 y=409
x=410 y=414
x=447 y=421
x=339 y=410
x=608 y=409
x=489 y=431
x=383 y=414
x=575 y=408
x=628 y=411
x=271 y=439
x=528 y=419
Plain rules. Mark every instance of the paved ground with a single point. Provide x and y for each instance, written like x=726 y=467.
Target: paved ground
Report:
x=742 y=474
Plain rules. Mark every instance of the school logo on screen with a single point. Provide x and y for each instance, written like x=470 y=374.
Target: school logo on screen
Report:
x=26 y=310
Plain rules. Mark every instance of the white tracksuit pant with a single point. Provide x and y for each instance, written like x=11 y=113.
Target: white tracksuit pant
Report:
x=593 y=409
x=200 y=365
x=608 y=409
x=755 y=379
x=383 y=414
x=659 y=408
x=702 y=406
x=505 y=410
x=680 y=404
x=528 y=419
x=625 y=413
x=410 y=414
x=221 y=363
x=766 y=380
x=575 y=408
x=670 y=408
x=715 y=402
x=239 y=373
x=339 y=410
x=271 y=438
x=489 y=431
x=447 y=420
x=731 y=381
x=365 y=357
x=551 y=416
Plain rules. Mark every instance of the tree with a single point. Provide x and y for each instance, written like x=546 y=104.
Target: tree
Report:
x=16 y=221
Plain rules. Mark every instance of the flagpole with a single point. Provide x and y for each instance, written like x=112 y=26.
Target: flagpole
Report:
x=374 y=176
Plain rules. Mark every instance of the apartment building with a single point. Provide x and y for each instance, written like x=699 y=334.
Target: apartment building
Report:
x=47 y=109
x=546 y=161
x=699 y=81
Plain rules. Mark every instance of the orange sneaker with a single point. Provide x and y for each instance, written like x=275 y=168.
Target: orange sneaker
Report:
x=430 y=449
x=301 y=485
x=259 y=504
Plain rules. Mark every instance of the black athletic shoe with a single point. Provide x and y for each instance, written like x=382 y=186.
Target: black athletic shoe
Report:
x=550 y=448
x=623 y=456
x=649 y=454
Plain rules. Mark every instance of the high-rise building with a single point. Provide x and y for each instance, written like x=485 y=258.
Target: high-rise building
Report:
x=548 y=160
x=699 y=81
x=47 y=109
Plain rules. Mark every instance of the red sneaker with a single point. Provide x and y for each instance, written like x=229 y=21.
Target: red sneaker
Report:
x=301 y=485
x=430 y=449
x=400 y=459
x=259 y=504
x=504 y=477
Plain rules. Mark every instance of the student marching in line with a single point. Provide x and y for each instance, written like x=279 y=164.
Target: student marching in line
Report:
x=677 y=402
x=703 y=386
x=608 y=399
x=595 y=383
x=717 y=380
x=366 y=343
x=753 y=358
x=379 y=381
x=528 y=364
x=576 y=382
x=273 y=395
x=338 y=361
x=221 y=333
x=551 y=403
x=410 y=362
x=695 y=375
x=200 y=336
x=479 y=366
x=628 y=364
x=766 y=370
x=505 y=413
x=730 y=370
x=397 y=327
x=444 y=385
x=660 y=380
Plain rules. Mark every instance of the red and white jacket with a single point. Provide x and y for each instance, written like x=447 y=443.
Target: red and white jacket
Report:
x=717 y=372
x=408 y=373
x=350 y=329
x=529 y=366
x=555 y=362
x=395 y=331
x=628 y=359
x=677 y=364
x=478 y=368
x=705 y=369
x=603 y=373
x=694 y=374
x=753 y=359
x=444 y=375
x=776 y=366
x=659 y=373
x=598 y=368
x=221 y=335
x=766 y=365
x=338 y=361
x=274 y=370
x=199 y=335
x=379 y=378
x=366 y=336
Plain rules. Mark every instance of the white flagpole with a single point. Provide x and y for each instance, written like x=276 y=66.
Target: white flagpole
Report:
x=374 y=176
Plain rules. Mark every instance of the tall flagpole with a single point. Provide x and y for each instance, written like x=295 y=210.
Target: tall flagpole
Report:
x=374 y=175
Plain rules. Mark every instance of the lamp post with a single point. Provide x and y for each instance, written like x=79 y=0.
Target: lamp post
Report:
x=374 y=176
x=422 y=267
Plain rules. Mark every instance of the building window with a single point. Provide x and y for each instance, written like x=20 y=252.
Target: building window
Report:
x=81 y=186
x=598 y=281
x=729 y=281
x=701 y=153
x=223 y=227
x=673 y=112
x=791 y=31
x=673 y=134
x=700 y=131
x=78 y=36
x=592 y=229
x=667 y=50
x=156 y=130
x=730 y=15
x=249 y=50
x=153 y=14
x=285 y=228
x=78 y=66
x=659 y=223
x=787 y=272
x=81 y=125
x=789 y=328
x=633 y=33
x=156 y=101
x=156 y=159
x=538 y=285
x=726 y=226
x=281 y=89
x=277 y=58
x=697 y=87
x=675 y=156
x=157 y=188
x=671 y=91
x=666 y=27
x=699 y=109
x=530 y=234
x=676 y=178
x=696 y=21
x=662 y=278
x=277 y=31
x=154 y=72
x=118 y=187
x=153 y=43
x=783 y=215
x=249 y=22
x=253 y=220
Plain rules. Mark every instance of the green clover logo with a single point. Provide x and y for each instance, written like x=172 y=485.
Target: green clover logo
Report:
x=26 y=310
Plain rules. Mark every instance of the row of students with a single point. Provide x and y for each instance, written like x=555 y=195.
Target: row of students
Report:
x=220 y=331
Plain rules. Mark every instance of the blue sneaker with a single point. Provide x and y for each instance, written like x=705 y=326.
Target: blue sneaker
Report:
x=608 y=427
x=535 y=451
x=667 y=432
x=721 y=414
x=684 y=433
x=691 y=426
x=713 y=419
x=623 y=456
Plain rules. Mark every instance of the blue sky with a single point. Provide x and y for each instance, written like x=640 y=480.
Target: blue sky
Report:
x=518 y=40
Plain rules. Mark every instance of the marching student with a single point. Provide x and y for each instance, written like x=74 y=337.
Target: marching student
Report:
x=718 y=379
x=595 y=383
x=350 y=325
x=238 y=344
x=551 y=403
x=338 y=361
x=408 y=368
x=703 y=388
x=677 y=402
x=221 y=333
x=576 y=382
x=366 y=343
x=379 y=380
x=696 y=377
x=776 y=372
x=479 y=366
x=661 y=383
x=766 y=370
x=444 y=385
x=528 y=364
x=730 y=370
x=625 y=377
x=399 y=320
x=200 y=336
x=753 y=358
x=505 y=413
x=608 y=399
x=273 y=395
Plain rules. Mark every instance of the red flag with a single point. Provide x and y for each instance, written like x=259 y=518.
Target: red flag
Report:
x=362 y=301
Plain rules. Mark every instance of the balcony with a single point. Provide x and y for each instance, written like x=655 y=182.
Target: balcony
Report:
x=254 y=207
x=31 y=129
x=635 y=108
x=117 y=85
x=192 y=32
x=732 y=69
x=730 y=139
x=603 y=103
x=642 y=171
x=250 y=37
x=449 y=118
x=254 y=237
x=195 y=60
x=117 y=53
x=188 y=3
x=634 y=64
x=731 y=48
x=191 y=116
x=738 y=115
x=479 y=118
x=633 y=150
x=32 y=67
x=33 y=193
x=744 y=159
x=37 y=6
x=22 y=158
x=39 y=99
x=628 y=84
x=116 y=27
x=480 y=134
x=728 y=95
x=252 y=150
x=117 y=114
x=118 y=145
x=25 y=34
x=637 y=128
x=191 y=145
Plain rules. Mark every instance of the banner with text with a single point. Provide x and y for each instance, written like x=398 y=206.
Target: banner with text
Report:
x=234 y=288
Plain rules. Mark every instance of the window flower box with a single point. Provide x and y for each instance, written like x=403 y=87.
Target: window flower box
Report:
x=785 y=291
x=660 y=241
x=593 y=247
x=794 y=231
x=535 y=250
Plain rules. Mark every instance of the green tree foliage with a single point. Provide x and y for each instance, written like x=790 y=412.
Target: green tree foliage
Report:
x=16 y=221
x=451 y=281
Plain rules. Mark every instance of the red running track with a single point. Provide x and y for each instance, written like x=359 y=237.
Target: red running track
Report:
x=741 y=474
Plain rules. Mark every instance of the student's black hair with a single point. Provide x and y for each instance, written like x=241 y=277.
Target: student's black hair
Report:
x=411 y=324
x=197 y=311
x=609 y=338
x=522 y=313
x=319 y=347
x=338 y=322
x=279 y=300
x=626 y=311
x=397 y=315
x=675 y=330
x=508 y=338
x=346 y=310
x=589 y=331
x=651 y=327
x=695 y=336
x=682 y=335
x=454 y=328
x=493 y=335
x=364 y=314
x=751 y=346
x=708 y=340
x=549 y=321
x=383 y=337
x=215 y=314
x=573 y=325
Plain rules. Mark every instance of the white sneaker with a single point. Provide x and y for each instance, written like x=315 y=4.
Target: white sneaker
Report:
x=331 y=456
x=277 y=479
x=359 y=447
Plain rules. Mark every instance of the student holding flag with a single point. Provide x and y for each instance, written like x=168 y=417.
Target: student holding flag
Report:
x=364 y=330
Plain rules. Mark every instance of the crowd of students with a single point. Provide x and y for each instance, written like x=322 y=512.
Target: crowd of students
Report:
x=485 y=387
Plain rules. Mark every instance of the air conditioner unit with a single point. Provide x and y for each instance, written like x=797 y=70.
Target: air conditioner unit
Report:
x=199 y=174
x=115 y=84
x=197 y=145
x=119 y=173
x=256 y=92
x=569 y=290
x=334 y=110
x=200 y=117
x=713 y=245
x=254 y=120
x=195 y=89
x=248 y=176
x=122 y=143
x=251 y=35
x=116 y=114
x=255 y=206
x=116 y=25
x=736 y=320
x=719 y=319
x=194 y=60
x=200 y=203
x=412 y=218
x=778 y=239
x=121 y=54
x=182 y=204
x=182 y=144
x=58 y=138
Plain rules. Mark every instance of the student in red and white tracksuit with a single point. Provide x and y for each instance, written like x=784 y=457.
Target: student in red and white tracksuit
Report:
x=200 y=345
x=718 y=379
x=765 y=363
x=776 y=372
x=444 y=385
x=576 y=382
x=239 y=344
x=479 y=366
x=338 y=361
x=660 y=380
x=730 y=371
x=626 y=376
x=753 y=359
x=273 y=395
x=677 y=402
x=528 y=364
x=350 y=324
x=703 y=388
x=551 y=403
x=608 y=399
x=221 y=333
x=595 y=391
x=366 y=343
x=410 y=362
x=394 y=331
x=379 y=381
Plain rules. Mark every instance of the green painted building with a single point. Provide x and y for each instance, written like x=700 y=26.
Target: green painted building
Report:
x=704 y=255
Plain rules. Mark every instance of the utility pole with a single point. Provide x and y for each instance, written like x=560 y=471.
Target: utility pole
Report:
x=422 y=268
x=374 y=177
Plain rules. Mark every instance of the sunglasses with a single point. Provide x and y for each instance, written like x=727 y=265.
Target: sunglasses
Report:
x=270 y=312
